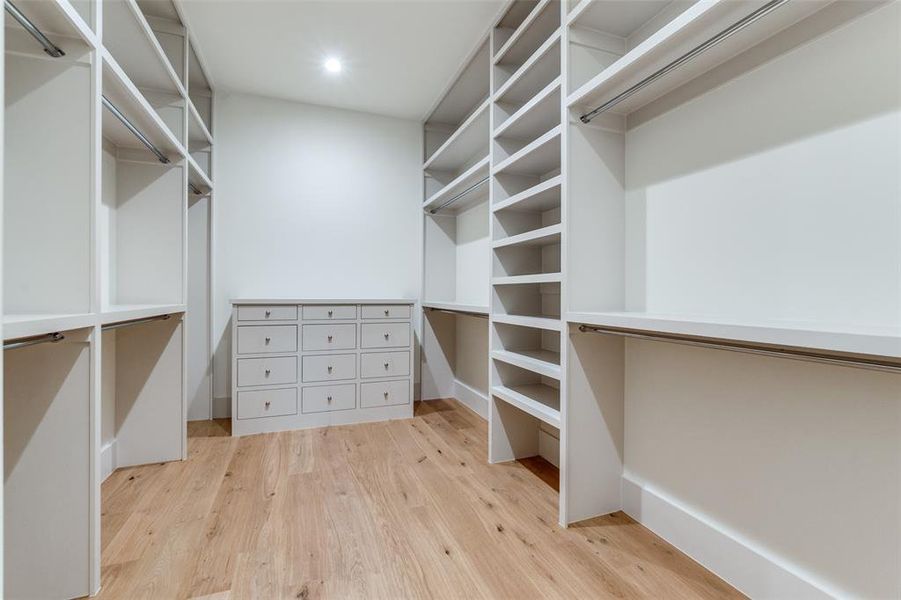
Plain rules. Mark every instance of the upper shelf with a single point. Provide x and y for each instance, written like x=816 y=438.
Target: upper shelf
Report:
x=20 y=325
x=460 y=184
x=128 y=37
x=688 y=30
x=463 y=144
x=123 y=94
x=535 y=28
x=55 y=18
x=537 y=158
x=874 y=341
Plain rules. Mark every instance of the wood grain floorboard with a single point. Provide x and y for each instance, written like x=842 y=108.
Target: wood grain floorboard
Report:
x=392 y=510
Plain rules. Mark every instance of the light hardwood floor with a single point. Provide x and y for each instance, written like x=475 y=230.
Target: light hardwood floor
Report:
x=401 y=509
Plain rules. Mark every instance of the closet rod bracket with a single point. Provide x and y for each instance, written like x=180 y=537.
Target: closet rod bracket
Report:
x=34 y=340
x=49 y=47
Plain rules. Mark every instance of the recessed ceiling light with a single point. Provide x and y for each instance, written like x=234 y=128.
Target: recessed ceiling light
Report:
x=333 y=65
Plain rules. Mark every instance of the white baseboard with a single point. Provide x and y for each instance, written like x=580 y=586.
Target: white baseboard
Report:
x=107 y=460
x=472 y=398
x=737 y=561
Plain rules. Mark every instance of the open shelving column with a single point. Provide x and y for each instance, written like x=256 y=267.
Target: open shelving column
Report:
x=107 y=147
x=455 y=239
x=526 y=234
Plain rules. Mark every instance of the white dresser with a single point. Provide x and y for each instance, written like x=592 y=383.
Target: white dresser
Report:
x=300 y=363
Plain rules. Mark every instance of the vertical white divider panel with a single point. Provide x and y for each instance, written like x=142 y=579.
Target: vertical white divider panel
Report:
x=47 y=468
x=149 y=392
x=2 y=410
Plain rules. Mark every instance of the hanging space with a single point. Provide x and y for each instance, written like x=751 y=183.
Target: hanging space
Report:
x=525 y=226
x=456 y=240
x=707 y=309
x=142 y=237
x=49 y=347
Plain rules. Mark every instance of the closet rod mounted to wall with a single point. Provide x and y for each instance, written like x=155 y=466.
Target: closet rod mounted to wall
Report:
x=32 y=341
x=457 y=312
x=49 y=47
x=194 y=189
x=458 y=196
x=700 y=49
x=121 y=324
x=135 y=131
x=791 y=353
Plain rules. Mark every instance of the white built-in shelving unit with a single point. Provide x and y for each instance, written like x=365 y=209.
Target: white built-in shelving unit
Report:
x=455 y=238
x=107 y=144
x=526 y=233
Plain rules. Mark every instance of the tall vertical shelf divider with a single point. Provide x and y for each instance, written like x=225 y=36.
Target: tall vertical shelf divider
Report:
x=455 y=239
x=526 y=357
x=94 y=306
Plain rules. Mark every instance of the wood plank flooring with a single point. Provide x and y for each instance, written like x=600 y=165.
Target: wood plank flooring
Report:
x=400 y=509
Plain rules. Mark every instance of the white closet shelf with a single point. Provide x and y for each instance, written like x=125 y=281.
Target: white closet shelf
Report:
x=524 y=279
x=129 y=312
x=540 y=401
x=544 y=236
x=546 y=323
x=875 y=341
x=57 y=18
x=537 y=158
x=128 y=37
x=542 y=67
x=542 y=362
x=126 y=97
x=196 y=175
x=523 y=36
x=620 y=19
x=701 y=21
x=456 y=307
x=464 y=143
x=465 y=180
x=27 y=325
x=535 y=117
x=538 y=198
x=198 y=134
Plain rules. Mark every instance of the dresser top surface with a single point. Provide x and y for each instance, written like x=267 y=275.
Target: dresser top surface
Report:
x=316 y=301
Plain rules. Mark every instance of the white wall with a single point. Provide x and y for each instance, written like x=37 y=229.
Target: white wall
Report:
x=310 y=201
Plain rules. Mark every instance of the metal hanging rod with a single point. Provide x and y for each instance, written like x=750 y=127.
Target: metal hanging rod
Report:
x=34 y=340
x=432 y=211
x=121 y=324
x=791 y=353
x=49 y=47
x=700 y=49
x=457 y=312
x=135 y=131
x=194 y=189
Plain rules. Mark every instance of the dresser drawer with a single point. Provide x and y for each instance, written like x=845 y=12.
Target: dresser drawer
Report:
x=330 y=336
x=267 y=371
x=327 y=398
x=384 y=335
x=384 y=364
x=329 y=367
x=260 y=339
x=267 y=313
x=384 y=393
x=267 y=403
x=386 y=311
x=325 y=313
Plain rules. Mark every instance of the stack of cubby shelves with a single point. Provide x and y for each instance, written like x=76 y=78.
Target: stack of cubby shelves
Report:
x=106 y=146
x=455 y=242
x=526 y=233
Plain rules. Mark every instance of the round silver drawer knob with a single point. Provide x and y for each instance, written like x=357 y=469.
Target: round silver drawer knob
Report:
x=329 y=398
x=268 y=371
x=386 y=365
x=386 y=336
x=329 y=338
x=330 y=313
x=386 y=313
x=268 y=340
x=268 y=313
x=330 y=368
x=268 y=403
x=386 y=394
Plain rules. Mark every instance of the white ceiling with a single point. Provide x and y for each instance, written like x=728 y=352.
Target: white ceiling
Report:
x=398 y=55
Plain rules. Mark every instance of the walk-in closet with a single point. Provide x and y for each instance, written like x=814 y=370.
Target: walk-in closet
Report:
x=491 y=299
